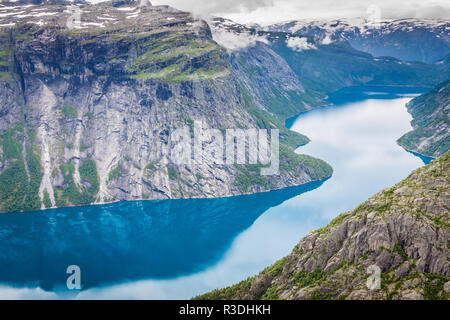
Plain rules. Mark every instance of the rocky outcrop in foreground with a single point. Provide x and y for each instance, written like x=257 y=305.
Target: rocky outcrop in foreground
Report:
x=431 y=134
x=402 y=232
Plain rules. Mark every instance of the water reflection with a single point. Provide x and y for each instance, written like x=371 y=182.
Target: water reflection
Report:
x=127 y=241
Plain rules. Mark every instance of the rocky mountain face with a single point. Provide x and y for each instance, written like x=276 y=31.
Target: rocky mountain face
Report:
x=405 y=39
x=400 y=236
x=269 y=79
x=90 y=96
x=431 y=134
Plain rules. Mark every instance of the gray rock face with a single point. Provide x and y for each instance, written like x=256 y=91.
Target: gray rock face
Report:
x=394 y=246
x=87 y=108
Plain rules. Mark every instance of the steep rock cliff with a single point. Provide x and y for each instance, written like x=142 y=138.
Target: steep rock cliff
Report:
x=402 y=233
x=87 y=107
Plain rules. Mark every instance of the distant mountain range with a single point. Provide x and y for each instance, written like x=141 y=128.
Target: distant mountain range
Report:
x=405 y=39
x=288 y=74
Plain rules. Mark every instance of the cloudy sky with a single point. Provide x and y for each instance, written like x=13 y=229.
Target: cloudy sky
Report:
x=268 y=11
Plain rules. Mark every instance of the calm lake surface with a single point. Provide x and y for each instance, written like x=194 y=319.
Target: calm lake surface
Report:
x=178 y=249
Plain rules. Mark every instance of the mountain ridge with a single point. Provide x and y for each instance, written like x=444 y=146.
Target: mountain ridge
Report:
x=409 y=39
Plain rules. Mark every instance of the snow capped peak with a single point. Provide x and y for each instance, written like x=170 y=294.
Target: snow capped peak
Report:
x=352 y=24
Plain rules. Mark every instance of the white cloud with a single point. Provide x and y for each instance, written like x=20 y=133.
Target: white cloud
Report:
x=271 y=11
x=326 y=40
x=299 y=44
x=233 y=41
x=9 y=293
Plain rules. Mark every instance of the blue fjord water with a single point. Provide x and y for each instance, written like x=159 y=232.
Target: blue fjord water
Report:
x=176 y=249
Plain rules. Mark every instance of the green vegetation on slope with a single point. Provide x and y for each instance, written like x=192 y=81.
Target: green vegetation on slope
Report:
x=21 y=180
x=265 y=120
x=47 y=201
x=6 y=56
x=32 y=200
x=14 y=183
x=69 y=112
x=290 y=163
x=172 y=58
x=431 y=134
x=290 y=103
x=173 y=174
x=317 y=169
x=250 y=176
x=256 y=67
x=78 y=195
x=115 y=172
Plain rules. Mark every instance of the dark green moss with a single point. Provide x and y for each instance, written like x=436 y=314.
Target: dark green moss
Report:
x=116 y=172
x=401 y=252
x=13 y=182
x=32 y=199
x=12 y=149
x=173 y=174
x=250 y=176
x=69 y=112
x=88 y=171
x=47 y=201
x=73 y=195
